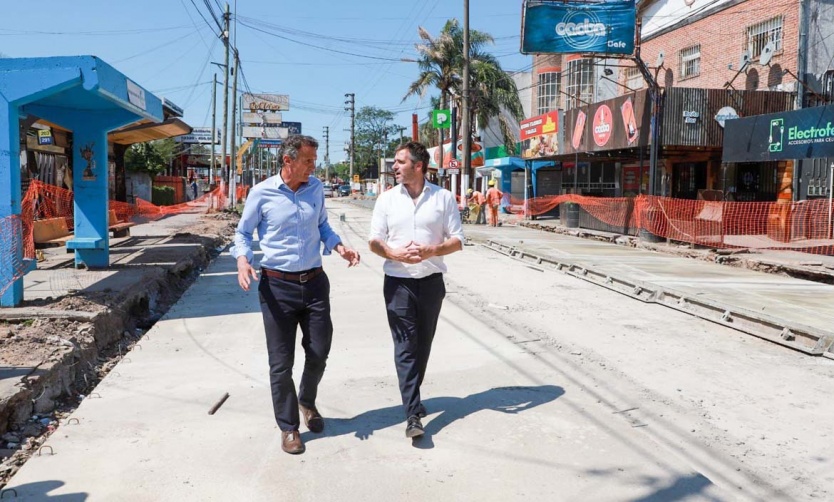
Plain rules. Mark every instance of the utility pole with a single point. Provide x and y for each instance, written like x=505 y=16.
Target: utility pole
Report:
x=213 y=131
x=465 y=126
x=351 y=107
x=232 y=153
x=402 y=136
x=225 y=35
x=326 y=153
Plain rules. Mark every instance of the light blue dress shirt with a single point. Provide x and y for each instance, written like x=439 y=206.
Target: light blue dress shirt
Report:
x=291 y=225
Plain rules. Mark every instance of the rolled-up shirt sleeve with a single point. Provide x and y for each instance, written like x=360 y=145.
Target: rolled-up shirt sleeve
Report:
x=452 y=226
x=379 y=221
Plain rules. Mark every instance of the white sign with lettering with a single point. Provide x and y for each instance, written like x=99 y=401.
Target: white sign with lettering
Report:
x=135 y=95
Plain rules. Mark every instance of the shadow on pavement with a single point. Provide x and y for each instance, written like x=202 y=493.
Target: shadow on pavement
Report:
x=502 y=399
x=681 y=489
x=40 y=491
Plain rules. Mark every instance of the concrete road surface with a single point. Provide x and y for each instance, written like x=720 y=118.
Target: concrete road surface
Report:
x=541 y=387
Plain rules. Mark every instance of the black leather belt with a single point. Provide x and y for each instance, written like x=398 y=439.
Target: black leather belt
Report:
x=300 y=277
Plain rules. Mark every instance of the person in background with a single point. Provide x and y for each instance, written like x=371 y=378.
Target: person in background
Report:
x=288 y=212
x=477 y=199
x=194 y=187
x=413 y=226
x=493 y=202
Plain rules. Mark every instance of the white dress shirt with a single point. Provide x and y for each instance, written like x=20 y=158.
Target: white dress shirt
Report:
x=430 y=220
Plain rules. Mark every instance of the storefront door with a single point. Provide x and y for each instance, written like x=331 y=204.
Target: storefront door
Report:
x=688 y=178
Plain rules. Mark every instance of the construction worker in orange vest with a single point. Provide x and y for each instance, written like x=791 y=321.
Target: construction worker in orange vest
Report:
x=493 y=202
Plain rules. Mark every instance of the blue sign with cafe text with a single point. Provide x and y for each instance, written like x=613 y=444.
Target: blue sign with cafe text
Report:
x=578 y=27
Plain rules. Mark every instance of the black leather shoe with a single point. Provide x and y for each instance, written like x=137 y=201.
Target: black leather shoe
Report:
x=414 y=427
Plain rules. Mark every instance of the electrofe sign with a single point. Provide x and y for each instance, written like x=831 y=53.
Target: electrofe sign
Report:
x=800 y=134
x=578 y=27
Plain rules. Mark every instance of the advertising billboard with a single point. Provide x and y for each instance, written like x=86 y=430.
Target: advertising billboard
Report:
x=265 y=102
x=477 y=154
x=801 y=134
x=539 y=136
x=200 y=135
x=622 y=122
x=572 y=26
x=252 y=132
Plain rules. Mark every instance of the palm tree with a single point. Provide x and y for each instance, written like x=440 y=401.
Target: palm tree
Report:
x=441 y=67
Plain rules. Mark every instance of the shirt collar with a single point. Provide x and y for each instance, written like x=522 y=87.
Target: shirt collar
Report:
x=279 y=182
x=426 y=188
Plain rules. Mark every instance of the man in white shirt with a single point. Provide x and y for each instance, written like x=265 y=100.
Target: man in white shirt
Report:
x=414 y=225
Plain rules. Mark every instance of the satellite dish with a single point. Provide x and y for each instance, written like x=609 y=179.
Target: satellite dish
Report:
x=660 y=57
x=767 y=53
x=744 y=61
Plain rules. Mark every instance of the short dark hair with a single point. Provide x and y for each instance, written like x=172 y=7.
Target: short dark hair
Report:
x=293 y=144
x=418 y=153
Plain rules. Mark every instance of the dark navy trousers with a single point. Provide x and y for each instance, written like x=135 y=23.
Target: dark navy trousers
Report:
x=285 y=306
x=413 y=307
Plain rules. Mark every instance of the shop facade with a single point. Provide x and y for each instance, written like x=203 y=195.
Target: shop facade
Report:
x=609 y=142
x=800 y=143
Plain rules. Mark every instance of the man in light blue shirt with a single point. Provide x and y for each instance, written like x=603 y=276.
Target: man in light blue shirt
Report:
x=289 y=214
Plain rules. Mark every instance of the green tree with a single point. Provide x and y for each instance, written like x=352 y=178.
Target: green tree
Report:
x=440 y=61
x=152 y=156
x=374 y=129
x=341 y=169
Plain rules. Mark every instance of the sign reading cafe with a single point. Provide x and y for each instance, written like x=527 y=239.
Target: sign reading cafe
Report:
x=571 y=26
x=265 y=102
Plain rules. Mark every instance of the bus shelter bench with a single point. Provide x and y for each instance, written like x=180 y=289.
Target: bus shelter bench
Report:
x=50 y=232
x=118 y=228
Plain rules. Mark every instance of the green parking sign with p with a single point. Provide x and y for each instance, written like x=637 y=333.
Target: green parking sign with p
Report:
x=441 y=119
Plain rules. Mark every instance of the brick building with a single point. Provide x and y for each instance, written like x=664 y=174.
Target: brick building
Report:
x=706 y=56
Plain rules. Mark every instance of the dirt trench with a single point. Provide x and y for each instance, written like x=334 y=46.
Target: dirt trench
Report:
x=60 y=350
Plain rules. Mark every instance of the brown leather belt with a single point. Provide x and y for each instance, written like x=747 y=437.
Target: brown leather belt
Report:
x=300 y=277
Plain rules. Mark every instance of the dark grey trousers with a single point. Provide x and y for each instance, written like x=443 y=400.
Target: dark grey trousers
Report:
x=413 y=307
x=285 y=306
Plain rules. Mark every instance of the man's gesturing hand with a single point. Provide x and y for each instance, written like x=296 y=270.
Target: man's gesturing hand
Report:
x=350 y=255
x=244 y=272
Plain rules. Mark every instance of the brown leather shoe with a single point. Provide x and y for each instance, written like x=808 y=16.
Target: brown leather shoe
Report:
x=312 y=418
x=291 y=442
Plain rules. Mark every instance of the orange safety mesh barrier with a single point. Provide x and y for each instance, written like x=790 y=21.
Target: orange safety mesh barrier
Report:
x=43 y=201
x=804 y=226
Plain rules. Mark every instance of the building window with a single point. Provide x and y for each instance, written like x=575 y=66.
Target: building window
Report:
x=689 y=61
x=580 y=88
x=633 y=78
x=760 y=34
x=828 y=86
x=549 y=87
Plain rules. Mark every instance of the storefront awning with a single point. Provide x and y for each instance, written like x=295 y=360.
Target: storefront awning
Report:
x=147 y=131
x=505 y=162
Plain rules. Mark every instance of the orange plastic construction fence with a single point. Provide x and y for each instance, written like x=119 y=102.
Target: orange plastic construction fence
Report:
x=43 y=201
x=805 y=226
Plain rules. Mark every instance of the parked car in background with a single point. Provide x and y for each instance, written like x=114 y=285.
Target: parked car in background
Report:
x=328 y=190
x=344 y=190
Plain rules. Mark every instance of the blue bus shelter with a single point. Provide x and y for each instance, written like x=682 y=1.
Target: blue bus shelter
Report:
x=89 y=97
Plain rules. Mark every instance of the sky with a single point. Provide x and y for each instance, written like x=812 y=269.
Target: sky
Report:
x=315 y=51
